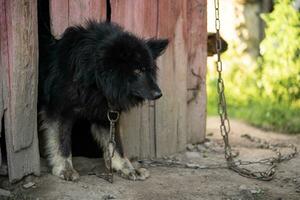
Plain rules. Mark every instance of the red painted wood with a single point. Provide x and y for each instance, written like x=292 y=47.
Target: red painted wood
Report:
x=3 y=62
x=137 y=126
x=65 y=13
x=19 y=78
x=197 y=54
x=170 y=111
x=59 y=14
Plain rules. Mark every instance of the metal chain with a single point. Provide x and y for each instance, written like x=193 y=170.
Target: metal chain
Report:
x=260 y=175
x=113 y=117
x=225 y=124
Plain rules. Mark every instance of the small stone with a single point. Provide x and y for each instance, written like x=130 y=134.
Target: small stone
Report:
x=190 y=147
x=192 y=155
x=4 y=193
x=29 y=178
x=177 y=158
x=201 y=148
x=166 y=158
x=85 y=186
x=295 y=180
x=192 y=165
x=210 y=134
x=255 y=191
x=243 y=187
x=29 y=185
x=108 y=196
x=207 y=144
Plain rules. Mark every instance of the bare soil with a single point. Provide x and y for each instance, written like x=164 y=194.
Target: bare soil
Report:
x=178 y=183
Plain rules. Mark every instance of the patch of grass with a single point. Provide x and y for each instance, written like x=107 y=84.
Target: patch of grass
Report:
x=262 y=114
x=264 y=91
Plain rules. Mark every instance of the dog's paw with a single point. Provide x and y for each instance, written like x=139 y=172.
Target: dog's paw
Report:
x=129 y=172
x=68 y=174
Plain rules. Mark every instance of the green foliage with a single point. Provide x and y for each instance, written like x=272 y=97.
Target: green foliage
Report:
x=265 y=92
x=281 y=54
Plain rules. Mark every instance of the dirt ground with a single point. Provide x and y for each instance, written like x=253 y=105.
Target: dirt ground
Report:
x=168 y=183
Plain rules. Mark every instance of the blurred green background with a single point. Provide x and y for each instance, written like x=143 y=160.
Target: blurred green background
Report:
x=265 y=89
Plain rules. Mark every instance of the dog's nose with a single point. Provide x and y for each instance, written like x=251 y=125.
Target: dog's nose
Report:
x=156 y=94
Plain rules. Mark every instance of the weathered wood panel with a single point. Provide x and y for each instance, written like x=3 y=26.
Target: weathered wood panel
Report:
x=80 y=11
x=59 y=15
x=137 y=126
x=64 y=13
x=197 y=54
x=170 y=111
x=2 y=23
x=19 y=61
x=1 y=105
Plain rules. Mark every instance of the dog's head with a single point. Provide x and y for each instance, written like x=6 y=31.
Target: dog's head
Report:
x=127 y=75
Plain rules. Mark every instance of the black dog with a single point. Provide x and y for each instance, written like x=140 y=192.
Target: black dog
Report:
x=86 y=73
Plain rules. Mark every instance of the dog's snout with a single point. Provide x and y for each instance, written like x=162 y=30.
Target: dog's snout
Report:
x=156 y=94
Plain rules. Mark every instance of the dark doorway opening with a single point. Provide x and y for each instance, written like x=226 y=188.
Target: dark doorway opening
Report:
x=83 y=143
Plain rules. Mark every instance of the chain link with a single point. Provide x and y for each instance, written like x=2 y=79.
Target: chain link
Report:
x=113 y=117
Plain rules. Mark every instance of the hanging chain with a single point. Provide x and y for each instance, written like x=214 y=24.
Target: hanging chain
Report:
x=113 y=117
x=225 y=124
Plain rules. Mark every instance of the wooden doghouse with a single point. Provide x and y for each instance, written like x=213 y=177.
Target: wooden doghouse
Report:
x=152 y=130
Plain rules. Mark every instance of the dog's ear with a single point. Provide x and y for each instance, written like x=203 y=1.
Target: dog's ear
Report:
x=157 y=46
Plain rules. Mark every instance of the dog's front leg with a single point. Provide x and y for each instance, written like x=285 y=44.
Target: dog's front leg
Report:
x=119 y=163
x=57 y=138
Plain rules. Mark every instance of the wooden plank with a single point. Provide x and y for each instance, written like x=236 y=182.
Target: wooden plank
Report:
x=64 y=13
x=19 y=57
x=82 y=10
x=59 y=16
x=137 y=126
x=2 y=61
x=197 y=51
x=170 y=111
x=1 y=106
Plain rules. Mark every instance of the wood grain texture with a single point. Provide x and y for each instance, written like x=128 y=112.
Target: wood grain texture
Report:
x=1 y=105
x=65 y=13
x=137 y=126
x=170 y=111
x=19 y=58
x=80 y=11
x=197 y=54
x=2 y=23
x=59 y=16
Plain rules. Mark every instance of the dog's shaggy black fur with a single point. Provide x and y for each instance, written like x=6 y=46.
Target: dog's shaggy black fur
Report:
x=92 y=66
x=90 y=70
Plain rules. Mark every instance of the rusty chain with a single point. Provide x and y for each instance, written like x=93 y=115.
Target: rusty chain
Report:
x=225 y=124
x=113 y=117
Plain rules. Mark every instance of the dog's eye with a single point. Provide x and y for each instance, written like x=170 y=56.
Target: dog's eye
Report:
x=137 y=71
